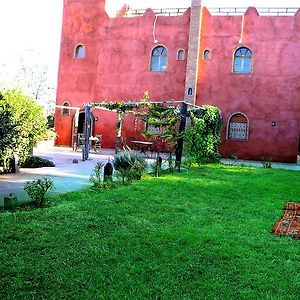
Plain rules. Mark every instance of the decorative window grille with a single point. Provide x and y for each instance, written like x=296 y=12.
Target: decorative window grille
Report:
x=238 y=127
x=79 y=51
x=242 y=60
x=159 y=57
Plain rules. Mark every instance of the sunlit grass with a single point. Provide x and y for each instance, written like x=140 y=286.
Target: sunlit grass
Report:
x=201 y=234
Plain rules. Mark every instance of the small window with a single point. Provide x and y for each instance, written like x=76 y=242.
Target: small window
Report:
x=206 y=54
x=242 y=60
x=181 y=55
x=66 y=110
x=159 y=57
x=79 y=51
x=238 y=127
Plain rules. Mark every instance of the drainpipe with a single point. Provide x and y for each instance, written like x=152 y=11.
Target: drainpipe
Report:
x=193 y=52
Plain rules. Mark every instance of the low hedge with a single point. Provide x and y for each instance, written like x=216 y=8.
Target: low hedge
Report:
x=37 y=162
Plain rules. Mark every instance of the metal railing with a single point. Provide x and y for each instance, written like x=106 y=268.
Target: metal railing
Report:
x=215 y=11
x=168 y=12
x=263 y=11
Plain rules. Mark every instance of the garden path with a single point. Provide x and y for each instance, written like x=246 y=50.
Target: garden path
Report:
x=66 y=175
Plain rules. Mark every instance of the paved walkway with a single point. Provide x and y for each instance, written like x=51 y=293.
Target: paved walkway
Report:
x=68 y=176
x=258 y=164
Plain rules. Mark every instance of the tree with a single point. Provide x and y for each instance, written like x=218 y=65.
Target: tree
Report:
x=22 y=123
x=30 y=72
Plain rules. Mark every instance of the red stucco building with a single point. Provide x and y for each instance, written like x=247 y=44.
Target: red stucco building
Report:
x=248 y=65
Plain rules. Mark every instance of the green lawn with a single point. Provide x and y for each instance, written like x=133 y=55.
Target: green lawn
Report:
x=201 y=234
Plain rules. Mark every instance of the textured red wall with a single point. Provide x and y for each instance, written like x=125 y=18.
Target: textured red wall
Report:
x=117 y=67
x=117 y=63
x=270 y=93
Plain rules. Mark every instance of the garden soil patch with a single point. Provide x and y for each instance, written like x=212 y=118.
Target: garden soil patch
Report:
x=289 y=223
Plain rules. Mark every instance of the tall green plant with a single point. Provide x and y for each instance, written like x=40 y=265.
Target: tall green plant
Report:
x=202 y=137
x=21 y=124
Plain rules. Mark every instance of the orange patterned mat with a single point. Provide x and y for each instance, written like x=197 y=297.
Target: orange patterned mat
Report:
x=289 y=223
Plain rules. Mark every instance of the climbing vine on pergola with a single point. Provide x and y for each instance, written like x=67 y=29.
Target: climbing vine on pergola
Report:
x=165 y=115
x=203 y=134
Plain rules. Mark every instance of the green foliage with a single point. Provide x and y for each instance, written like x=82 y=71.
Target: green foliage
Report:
x=21 y=124
x=96 y=176
x=37 y=162
x=202 y=137
x=130 y=165
x=166 y=119
x=37 y=190
x=125 y=107
x=50 y=121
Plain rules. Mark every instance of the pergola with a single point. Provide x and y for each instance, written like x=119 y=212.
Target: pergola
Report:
x=119 y=111
x=141 y=104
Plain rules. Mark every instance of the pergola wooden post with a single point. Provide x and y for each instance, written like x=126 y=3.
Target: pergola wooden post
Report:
x=87 y=131
x=179 y=147
x=119 y=132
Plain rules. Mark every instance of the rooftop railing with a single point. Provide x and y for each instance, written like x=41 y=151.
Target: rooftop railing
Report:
x=169 y=12
x=216 y=11
x=263 y=11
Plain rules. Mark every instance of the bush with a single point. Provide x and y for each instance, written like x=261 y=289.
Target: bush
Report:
x=96 y=176
x=37 y=190
x=130 y=165
x=36 y=162
x=22 y=124
x=202 y=137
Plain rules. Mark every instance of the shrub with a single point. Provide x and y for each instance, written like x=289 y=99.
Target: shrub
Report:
x=36 y=162
x=96 y=176
x=22 y=124
x=202 y=137
x=130 y=165
x=37 y=190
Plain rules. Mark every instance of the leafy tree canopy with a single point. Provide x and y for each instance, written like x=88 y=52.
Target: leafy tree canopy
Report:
x=22 y=123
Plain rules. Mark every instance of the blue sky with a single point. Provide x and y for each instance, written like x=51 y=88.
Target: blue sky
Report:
x=30 y=29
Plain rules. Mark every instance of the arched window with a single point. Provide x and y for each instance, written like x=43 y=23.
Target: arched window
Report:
x=79 y=51
x=238 y=127
x=242 y=60
x=180 y=55
x=66 y=111
x=159 y=57
x=206 y=54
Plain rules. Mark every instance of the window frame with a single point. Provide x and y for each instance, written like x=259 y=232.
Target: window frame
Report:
x=151 y=56
x=75 y=51
x=177 y=55
x=234 y=59
x=228 y=127
x=209 y=54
